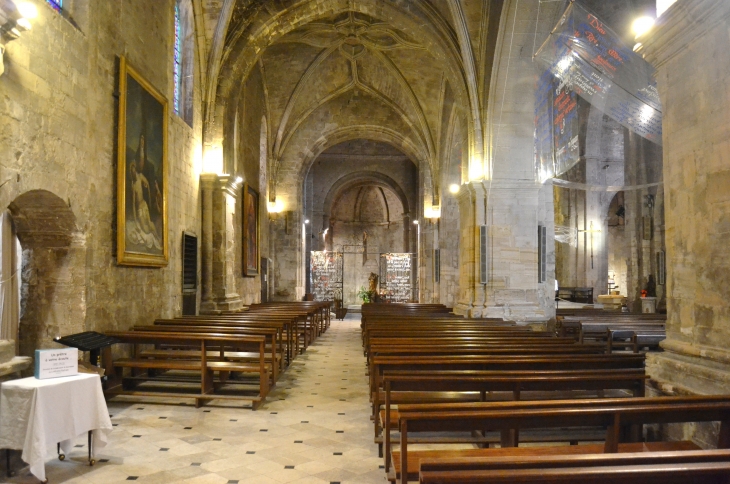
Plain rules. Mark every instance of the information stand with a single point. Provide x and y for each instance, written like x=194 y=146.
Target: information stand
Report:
x=397 y=276
x=326 y=272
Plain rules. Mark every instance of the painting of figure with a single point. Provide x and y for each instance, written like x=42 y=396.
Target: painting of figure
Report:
x=141 y=172
x=250 y=231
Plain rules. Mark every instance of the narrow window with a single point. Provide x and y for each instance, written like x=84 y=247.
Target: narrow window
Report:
x=56 y=4
x=176 y=62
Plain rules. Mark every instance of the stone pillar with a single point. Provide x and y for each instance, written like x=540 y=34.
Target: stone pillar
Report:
x=688 y=47
x=407 y=232
x=511 y=210
x=220 y=199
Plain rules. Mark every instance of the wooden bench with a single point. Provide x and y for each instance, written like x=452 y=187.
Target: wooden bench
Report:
x=119 y=384
x=274 y=349
x=622 y=419
x=576 y=294
x=634 y=338
x=700 y=466
x=440 y=386
x=288 y=326
x=506 y=362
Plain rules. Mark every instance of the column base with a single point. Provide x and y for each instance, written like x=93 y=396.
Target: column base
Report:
x=680 y=370
x=220 y=306
x=531 y=314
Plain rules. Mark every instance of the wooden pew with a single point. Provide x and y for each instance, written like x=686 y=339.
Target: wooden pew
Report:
x=440 y=386
x=621 y=417
x=597 y=331
x=275 y=350
x=431 y=469
x=712 y=472
x=494 y=363
x=634 y=338
x=288 y=324
x=204 y=367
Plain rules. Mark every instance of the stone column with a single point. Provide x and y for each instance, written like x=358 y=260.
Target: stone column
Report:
x=688 y=47
x=220 y=199
x=407 y=232
x=511 y=210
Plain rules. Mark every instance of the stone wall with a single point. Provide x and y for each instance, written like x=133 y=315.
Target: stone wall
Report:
x=58 y=109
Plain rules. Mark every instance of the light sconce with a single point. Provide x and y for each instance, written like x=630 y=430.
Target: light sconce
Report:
x=12 y=27
x=432 y=213
x=306 y=221
x=454 y=188
x=238 y=180
x=276 y=206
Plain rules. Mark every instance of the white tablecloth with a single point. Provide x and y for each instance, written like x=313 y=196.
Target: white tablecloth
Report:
x=37 y=414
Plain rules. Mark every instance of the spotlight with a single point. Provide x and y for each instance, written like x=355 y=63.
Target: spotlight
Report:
x=642 y=25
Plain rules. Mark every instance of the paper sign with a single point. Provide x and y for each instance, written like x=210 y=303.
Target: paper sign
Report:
x=55 y=363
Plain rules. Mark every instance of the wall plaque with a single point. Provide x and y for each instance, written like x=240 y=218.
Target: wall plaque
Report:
x=55 y=363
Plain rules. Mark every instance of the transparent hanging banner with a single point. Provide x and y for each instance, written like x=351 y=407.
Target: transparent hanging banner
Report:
x=586 y=58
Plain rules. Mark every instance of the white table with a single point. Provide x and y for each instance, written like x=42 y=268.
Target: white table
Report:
x=35 y=415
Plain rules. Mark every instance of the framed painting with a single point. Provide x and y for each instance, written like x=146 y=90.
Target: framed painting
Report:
x=141 y=172
x=250 y=231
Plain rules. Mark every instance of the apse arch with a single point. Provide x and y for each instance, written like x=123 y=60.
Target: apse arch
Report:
x=287 y=176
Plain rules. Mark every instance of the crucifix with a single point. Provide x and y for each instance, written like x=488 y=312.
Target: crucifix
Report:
x=591 y=231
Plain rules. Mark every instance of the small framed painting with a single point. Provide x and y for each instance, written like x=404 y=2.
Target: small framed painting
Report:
x=250 y=231
x=141 y=172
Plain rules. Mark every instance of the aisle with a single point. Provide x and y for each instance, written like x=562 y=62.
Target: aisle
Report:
x=315 y=428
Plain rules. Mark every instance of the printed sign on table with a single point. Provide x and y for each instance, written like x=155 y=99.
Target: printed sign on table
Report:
x=56 y=363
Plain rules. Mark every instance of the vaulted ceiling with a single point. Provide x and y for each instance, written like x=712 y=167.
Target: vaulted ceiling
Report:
x=345 y=69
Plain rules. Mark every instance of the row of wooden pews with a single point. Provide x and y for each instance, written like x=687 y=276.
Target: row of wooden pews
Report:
x=617 y=331
x=232 y=356
x=506 y=404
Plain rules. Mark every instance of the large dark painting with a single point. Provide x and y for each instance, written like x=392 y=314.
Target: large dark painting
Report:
x=141 y=172
x=250 y=231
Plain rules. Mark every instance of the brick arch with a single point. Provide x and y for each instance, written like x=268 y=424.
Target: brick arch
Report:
x=53 y=287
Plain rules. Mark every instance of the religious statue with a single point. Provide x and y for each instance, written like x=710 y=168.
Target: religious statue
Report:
x=651 y=286
x=373 y=282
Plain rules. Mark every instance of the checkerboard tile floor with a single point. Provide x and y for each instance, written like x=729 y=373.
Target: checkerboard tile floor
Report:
x=313 y=429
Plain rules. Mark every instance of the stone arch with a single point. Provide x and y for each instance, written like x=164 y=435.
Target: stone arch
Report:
x=53 y=294
x=290 y=181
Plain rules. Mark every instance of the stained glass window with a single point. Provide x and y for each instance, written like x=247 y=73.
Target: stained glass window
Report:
x=176 y=63
x=56 y=4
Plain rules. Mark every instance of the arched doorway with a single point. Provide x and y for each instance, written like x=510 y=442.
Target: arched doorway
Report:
x=53 y=289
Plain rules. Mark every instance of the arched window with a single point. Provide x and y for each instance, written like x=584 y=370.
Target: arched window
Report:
x=182 y=97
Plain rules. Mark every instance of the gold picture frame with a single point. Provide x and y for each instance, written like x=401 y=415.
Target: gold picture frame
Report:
x=250 y=215
x=142 y=228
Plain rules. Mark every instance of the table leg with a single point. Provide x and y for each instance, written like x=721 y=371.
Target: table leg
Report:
x=7 y=463
x=91 y=460
x=58 y=449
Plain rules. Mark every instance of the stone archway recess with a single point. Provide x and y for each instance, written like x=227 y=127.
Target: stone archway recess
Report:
x=53 y=291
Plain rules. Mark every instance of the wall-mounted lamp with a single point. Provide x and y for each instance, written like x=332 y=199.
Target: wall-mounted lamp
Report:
x=238 y=180
x=14 y=25
x=454 y=188
x=432 y=213
x=306 y=221
x=277 y=206
x=415 y=222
